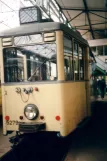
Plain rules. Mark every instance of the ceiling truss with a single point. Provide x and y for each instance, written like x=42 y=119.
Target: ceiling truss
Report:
x=76 y=16
x=90 y=26
x=88 y=17
x=82 y=9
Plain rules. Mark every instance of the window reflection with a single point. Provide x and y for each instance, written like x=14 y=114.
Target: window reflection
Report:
x=81 y=63
x=41 y=63
x=28 y=39
x=73 y=60
x=13 y=65
x=76 y=62
x=67 y=68
x=68 y=59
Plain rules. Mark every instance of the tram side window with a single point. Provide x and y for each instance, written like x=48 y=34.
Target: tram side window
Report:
x=81 y=63
x=13 y=65
x=68 y=59
x=67 y=68
x=76 y=61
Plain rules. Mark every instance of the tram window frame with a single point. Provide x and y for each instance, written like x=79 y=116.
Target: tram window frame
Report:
x=81 y=64
x=6 y=80
x=72 y=76
x=68 y=72
x=13 y=73
x=68 y=55
x=40 y=76
x=76 y=66
x=83 y=59
x=48 y=77
x=27 y=39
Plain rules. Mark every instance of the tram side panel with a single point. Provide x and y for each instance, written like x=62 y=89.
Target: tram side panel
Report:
x=75 y=106
x=0 y=102
x=76 y=100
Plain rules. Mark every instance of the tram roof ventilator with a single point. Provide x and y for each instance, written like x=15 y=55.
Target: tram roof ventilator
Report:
x=31 y=14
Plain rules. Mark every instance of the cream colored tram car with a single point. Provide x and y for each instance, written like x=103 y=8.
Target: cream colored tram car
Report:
x=0 y=102
x=44 y=78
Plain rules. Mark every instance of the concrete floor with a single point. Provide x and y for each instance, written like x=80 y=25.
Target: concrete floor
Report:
x=4 y=143
x=90 y=142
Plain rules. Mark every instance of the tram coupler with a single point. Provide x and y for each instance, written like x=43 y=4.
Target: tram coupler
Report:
x=15 y=140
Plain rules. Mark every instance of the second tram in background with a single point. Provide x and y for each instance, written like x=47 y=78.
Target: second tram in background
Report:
x=44 y=76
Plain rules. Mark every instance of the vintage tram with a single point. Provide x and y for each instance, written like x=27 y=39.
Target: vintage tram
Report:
x=44 y=76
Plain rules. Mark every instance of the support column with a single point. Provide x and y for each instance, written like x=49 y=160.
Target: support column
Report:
x=60 y=55
x=3 y=88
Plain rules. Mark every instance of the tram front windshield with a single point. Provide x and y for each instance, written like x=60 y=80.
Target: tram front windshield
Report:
x=40 y=63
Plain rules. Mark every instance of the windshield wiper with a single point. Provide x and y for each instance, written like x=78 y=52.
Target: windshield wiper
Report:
x=29 y=79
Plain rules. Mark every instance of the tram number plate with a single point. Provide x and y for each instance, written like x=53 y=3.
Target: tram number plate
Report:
x=12 y=122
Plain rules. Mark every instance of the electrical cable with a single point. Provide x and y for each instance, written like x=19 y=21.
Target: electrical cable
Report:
x=23 y=99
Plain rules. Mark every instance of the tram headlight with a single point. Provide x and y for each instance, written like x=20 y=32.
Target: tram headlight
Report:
x=31 y=111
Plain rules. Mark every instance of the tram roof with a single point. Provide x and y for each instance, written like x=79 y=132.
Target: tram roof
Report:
x=41 y=27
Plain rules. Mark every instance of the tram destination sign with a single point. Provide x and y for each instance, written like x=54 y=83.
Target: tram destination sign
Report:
x=28 y=39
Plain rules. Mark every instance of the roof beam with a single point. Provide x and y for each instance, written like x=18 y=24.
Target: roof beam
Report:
x=82 y=29
x=85 y=33
x=88 y=17
x=98 y=15
x=82 y=9
x=98 y=42
x=76 y=16
x=101 y=23
x=102 y=30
